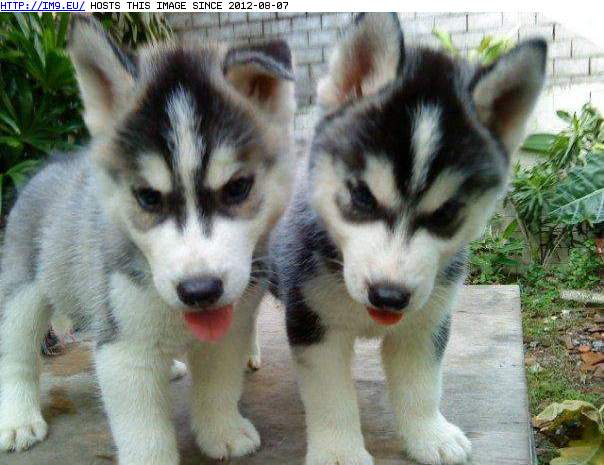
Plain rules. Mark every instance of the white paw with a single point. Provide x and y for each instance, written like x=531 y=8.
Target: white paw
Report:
x=225 y=438
x=177 y=370
x=338 y=456
x=438 y=443
x=20 y=434
x=254 y=362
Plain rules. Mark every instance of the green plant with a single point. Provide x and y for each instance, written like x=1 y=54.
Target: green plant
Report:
x=561 y=198
x=495 y=256
x=489 y=49
x=581 y=271
x=134 y=28
x=40 y=109
x=39 y=104
x=585 y=420
x=580 y=196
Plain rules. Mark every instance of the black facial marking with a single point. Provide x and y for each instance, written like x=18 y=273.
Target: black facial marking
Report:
x=381 y=126
x=219 y=119
x=440 y=338
x=360 y=206
x=444 y=222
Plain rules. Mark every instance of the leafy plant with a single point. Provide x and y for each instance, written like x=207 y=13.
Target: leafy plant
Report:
x=561 y=198
x=489 y=49
x=574 y=415
x=581 y=271
x=580 y=196
x=39 y=104
x=133 y=28
x=495 y=255
x=40 y=109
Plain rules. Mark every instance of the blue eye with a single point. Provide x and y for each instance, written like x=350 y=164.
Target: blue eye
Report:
x=149 y=200
x=237 y=190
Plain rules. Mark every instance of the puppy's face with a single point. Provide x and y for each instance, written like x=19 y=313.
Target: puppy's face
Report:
x=191 y=161
x=406 y=168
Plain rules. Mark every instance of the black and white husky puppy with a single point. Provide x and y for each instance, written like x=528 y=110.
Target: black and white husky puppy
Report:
x=405 y=168
x=151 y=238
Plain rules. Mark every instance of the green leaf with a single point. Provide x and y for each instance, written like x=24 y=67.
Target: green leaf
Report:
x=510 y=230
x=445 y=40
x=1 y=182
x=564 y=115
x=20 y=172
x=589 y=450
x=580 y=196
x=540 y=143
x=559 y=413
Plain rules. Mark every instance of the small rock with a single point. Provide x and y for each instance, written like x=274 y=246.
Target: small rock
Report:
x=566 y=313
x=567 y=341
x=598 y=346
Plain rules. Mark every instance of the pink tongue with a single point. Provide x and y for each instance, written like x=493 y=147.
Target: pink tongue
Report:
x=210 y=325
x=384 y=317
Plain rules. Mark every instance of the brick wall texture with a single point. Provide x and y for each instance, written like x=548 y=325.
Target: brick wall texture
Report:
x=572 y=59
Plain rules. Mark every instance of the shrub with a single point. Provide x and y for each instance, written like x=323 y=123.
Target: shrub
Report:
x=39 y=105
x=561 y=199
x=40 y=109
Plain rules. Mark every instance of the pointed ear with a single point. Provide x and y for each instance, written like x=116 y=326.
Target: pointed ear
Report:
x=367 y=59
x=105 y=73
x=263 y=74
x=505 y=92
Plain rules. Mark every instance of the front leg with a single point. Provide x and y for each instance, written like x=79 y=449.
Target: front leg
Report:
x=217 y=370
x=412 y=362
x=329 y=397
x=134 y=383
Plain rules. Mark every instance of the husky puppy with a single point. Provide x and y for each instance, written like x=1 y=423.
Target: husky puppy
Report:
x=405 y=167
x=153 y=238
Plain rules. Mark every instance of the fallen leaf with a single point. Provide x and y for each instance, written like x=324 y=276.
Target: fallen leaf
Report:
x=591 y=359
x=559 y=413
x=587 y=451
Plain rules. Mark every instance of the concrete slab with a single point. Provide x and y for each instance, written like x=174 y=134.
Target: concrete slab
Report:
x=485 y=394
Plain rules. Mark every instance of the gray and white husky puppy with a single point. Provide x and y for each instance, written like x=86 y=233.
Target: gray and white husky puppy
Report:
x=152 y=237
x=406 y=165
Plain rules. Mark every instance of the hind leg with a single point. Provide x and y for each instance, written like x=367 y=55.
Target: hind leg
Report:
x=22 y=329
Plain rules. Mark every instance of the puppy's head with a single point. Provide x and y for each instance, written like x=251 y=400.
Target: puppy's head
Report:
x=191 y=146
x=411 y=155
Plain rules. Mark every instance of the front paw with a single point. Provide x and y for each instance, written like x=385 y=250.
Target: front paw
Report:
x=437 y=442
x=345 y=455
x=20 y=433
x=223 y=438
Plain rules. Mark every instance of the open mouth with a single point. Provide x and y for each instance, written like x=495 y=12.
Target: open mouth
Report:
x=210 y=325
x=385 y=317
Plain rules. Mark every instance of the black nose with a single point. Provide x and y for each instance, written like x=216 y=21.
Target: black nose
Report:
x=388 y=296
x=199 y=292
